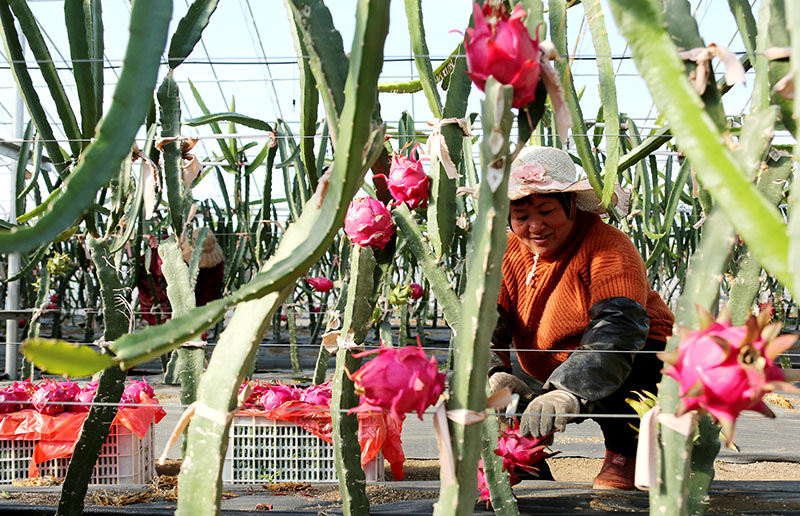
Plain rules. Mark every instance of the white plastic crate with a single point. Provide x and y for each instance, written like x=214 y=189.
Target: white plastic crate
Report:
x=124 y=459
x=262 y=450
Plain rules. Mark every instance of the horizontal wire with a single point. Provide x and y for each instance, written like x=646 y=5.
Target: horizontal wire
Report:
x=293 y=60
x=286 y=409
x=435 y=349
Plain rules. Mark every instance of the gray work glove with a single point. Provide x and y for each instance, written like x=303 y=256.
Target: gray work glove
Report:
x=548 y=412
x=500 y=380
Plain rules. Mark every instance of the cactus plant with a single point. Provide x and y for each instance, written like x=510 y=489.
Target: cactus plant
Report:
x=347 y=451
x=479 y=310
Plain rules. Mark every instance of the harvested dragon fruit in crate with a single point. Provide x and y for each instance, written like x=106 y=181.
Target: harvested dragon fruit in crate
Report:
x=40 y=424
x=283 y=434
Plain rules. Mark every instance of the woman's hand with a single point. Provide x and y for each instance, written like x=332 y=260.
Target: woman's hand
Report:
x=549 y=412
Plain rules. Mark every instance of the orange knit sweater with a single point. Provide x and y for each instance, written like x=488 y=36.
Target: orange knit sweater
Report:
x=552 y=312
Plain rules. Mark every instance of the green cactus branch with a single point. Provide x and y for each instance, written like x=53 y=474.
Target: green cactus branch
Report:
x=48 y=70
x=85 y=29
x=115 y=134
x=479 y=303
x=16 y=58
x=754 y=218
x=433 y=271
x=302 y=245
x=347 y=451
x=97 y=425
x=422 y=58
x=327 y=59
x=189 y=30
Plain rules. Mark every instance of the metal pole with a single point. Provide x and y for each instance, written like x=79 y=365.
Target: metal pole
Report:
x=12 y=294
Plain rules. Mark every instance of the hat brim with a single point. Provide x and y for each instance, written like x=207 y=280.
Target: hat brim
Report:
x=585 y=197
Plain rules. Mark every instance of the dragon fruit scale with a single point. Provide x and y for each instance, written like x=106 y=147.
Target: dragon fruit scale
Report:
x=724 y=369
x=368 y=223
x=398 y=380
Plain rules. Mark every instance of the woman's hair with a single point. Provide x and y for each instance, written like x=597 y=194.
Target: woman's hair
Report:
x=565 y=198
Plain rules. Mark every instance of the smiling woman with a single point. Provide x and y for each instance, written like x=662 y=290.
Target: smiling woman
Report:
x=572 y=283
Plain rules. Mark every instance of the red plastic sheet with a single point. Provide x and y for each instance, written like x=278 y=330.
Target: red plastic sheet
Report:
x=376 y=431
x=56 y=435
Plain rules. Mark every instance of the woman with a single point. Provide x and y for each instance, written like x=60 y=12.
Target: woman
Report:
x=573 y=283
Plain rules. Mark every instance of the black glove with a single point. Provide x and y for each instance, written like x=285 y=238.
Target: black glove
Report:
x=617 y=324
x=549 y=412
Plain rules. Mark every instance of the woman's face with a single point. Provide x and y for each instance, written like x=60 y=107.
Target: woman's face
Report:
x=541 y=224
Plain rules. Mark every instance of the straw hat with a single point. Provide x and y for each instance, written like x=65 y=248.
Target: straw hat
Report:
x=545 y=170
x=212 y=252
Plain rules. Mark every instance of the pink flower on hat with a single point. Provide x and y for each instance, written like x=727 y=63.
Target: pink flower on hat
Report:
x=528 y=173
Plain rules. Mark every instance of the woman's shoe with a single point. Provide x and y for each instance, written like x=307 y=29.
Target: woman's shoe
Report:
x=616 y=473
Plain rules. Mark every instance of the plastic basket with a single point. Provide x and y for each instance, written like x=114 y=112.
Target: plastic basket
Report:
x=262 y=450
x=124 y=459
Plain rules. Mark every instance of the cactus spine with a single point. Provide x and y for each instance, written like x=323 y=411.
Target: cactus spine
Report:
x=347 y=451
x=479 y=304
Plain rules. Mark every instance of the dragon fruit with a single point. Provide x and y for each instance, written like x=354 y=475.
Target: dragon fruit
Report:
x=408 y=182
x=317 y=394
x=518 y=453
x=14 y=397
x=501 y=46
x=320 y=284
x=521 y=452
x=724 y=369
x=48 y=398
x=399 y=380
x=416 y=291
x=134 y=390
x=86 y=395
x=276 y=395
x=257 y=392
x=483 y=486
x=368 y=223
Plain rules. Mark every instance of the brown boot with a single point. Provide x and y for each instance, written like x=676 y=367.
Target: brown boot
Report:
x=617 y=472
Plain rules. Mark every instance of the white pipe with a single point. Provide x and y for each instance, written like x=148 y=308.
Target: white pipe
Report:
x=12 y=294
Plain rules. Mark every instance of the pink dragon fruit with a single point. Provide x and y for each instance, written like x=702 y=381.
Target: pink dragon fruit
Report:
x=724 y=369
x=500 y=46
x=277 y=395
x=317 y=394
x=86 y=395
x=408 y=182
x=416 y=291
x=399 y=380
x=257 y=392
x=483 y=486
x=14 y=397
x=518 y=453
x=521 y=452
x=368 y=223
x=134 y=390
x=320 y=284
x=48 y=398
